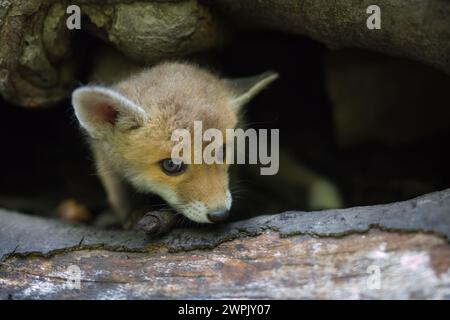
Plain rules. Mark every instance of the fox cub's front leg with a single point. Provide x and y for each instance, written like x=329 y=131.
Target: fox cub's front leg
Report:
x=116 y=190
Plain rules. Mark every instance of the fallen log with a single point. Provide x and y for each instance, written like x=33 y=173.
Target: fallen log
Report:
x=40 y=57
x=418 y=30
x=398 y=250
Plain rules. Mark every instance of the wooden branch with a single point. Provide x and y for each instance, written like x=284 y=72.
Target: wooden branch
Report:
x=40 y=57
x=399 y=250
x=415 y=29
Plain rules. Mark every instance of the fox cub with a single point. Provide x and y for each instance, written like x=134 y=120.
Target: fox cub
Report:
x=130 y=123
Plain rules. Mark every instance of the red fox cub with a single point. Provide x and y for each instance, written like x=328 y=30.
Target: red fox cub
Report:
x=130 y=124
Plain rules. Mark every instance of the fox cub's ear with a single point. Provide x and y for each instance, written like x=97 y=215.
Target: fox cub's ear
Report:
x=245 y=89
x=101 y=109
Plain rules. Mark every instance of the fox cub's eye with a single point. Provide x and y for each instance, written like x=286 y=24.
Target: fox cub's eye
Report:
x=172 y=167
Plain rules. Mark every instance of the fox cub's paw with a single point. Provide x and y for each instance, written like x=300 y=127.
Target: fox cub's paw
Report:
x=324 y=194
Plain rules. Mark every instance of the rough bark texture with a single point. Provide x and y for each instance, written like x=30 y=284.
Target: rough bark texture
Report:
x=39 y=56
x=410 y=28
x=328 y=254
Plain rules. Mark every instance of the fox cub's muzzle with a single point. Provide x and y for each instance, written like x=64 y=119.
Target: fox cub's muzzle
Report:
x=219 y=215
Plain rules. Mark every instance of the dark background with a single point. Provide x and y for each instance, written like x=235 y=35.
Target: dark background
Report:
x=46 y=160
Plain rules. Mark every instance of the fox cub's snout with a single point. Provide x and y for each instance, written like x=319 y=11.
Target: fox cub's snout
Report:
x=130 y=126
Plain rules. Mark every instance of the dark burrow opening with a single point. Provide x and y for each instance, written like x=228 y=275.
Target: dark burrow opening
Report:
x=376 y=127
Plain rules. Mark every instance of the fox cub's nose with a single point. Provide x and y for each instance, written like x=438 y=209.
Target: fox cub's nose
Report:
x=218 y=215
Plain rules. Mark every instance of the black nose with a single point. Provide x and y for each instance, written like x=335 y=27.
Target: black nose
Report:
x=218 y=215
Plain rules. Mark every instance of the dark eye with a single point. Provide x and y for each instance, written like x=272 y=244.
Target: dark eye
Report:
x=172 y=167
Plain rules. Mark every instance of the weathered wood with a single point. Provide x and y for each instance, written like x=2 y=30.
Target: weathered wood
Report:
x=409 y=28
x=404 y=247
x=266 y=266
x=40 y=56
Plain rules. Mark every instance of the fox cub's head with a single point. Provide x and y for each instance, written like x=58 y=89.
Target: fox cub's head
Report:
x=133 y=121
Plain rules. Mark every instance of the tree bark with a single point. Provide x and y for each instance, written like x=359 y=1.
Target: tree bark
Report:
x=398 y=250
x=40 y=57
x=415 y=29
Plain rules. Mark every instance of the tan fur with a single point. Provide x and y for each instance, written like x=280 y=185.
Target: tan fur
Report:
x=172 y=96
x=176 y=95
